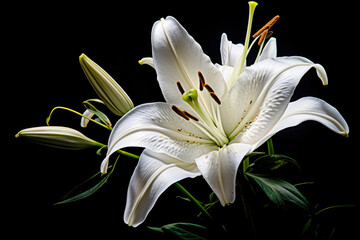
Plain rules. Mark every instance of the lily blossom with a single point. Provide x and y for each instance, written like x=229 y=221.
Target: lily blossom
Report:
x=213 y=116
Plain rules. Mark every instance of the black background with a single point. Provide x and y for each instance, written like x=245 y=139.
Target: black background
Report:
x=40 y=70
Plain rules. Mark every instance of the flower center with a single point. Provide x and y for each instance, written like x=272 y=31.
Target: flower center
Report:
x=207 y=117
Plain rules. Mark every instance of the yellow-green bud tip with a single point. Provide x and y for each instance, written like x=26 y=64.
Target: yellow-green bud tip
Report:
x=82 y=56
x=141 y=62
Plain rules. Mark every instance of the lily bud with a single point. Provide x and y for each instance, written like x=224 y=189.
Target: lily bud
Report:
x=58 y=137
x=114 y=97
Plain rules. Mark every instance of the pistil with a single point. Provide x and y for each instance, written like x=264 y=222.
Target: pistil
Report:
x=240 y=63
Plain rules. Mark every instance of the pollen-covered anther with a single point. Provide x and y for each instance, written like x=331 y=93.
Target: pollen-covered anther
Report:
x=215 y=97
x=179 y=112
x=265 y=35
x=181 y=89
x=201 y=81
x=267 y=26
x=210 y=90
x=269 y=34
x=190 y=116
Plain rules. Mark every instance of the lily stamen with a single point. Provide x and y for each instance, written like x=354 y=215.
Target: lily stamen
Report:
x=267 y=26
x=191 y=116
x=181 y=89
x=210 y=90
x=215 y=97
x=179 y=112
x=262 y=37
x=201 y=80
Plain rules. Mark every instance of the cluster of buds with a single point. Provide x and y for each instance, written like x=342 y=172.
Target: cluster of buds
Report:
x=110 y=93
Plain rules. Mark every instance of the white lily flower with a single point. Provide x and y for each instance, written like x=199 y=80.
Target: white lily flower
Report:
x=209 y=123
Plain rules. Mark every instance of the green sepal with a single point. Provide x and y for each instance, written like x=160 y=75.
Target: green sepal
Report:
x=91 y=108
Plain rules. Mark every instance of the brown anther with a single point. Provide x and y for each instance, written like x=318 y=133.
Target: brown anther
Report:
x=201 y=80
x=267 y=26
x=178 y=84
x=262 y=37
x=207 y=86
x=191 y=116
x=265 y=35
x=217 y=100
x=179 y=112
x=269 y=34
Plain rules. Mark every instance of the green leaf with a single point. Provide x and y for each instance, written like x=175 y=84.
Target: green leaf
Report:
x=186 y=231
x=331 y=208
x=70 y=197
x=91 y=108
x=314 y=222
x=279 y=191
x=271 y=162
x=156 y=229
x=184 y=198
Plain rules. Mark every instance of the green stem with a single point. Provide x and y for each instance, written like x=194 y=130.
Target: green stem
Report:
x=128 y=154
x=125 y=153
x=194 y=200
x=270 y=146
x=247 y=209
x=73 y=111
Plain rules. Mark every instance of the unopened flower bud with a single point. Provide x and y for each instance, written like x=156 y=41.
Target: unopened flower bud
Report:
x=110 y=92
x=58 y=137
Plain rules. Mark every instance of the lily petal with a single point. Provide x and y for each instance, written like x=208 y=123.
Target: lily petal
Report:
x=84 y=121
x=269 y=51
x=154 y=173
x=219 y=169
x=305 y=109
x=178 y=57
x=230 y=53
x=157 y=127
x=147 y=60
x=264 y=91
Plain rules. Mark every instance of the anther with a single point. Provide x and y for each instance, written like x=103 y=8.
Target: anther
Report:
x=179 y=112
x=201 y=80
x=262 y=37
x=265 y=35
x=217 y=100
x=267 y=26
x=181 y=89
x=207 y=86
x=269 y=34
x=191 y=116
